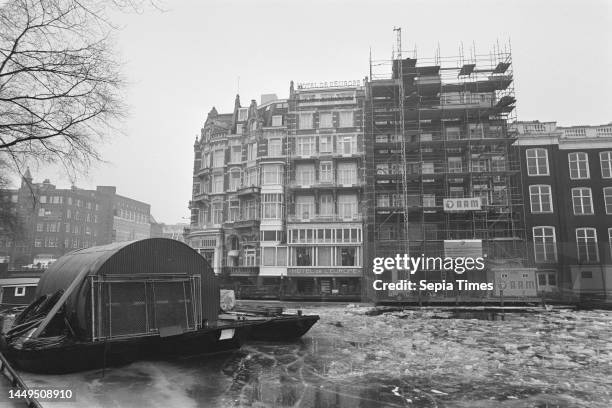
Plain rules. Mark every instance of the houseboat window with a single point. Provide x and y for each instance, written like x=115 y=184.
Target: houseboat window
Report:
x=20 y=290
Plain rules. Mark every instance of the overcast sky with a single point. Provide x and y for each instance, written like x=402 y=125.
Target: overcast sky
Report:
x=185 y=60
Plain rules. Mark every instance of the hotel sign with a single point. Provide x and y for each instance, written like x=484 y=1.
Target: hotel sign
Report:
x=462 y=204
x=324 y=272
x=330 y=84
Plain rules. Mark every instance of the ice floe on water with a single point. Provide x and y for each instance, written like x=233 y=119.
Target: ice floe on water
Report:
x=366 y=357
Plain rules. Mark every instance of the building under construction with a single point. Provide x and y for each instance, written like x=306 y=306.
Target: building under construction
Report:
x=441 y=179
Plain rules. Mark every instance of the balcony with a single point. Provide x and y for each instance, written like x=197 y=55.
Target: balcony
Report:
x=246 y=223
x=243 y=191
x=201 y=196
x=202 y=171
x=324 y=218
x=240 y=270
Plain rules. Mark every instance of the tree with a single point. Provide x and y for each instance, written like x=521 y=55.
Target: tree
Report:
x=60 y=81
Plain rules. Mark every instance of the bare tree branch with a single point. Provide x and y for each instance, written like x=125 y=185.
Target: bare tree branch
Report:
x=61 y=88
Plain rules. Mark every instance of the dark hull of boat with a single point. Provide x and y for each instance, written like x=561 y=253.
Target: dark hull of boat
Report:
x=81 y=356
x=282 y=329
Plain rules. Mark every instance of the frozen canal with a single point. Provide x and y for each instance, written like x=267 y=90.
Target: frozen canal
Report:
x=400 y=359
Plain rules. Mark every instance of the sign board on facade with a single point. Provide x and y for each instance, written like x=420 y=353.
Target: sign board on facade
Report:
x=330 y=84
x=455 y=248
x=462 y=204
x=324 y=272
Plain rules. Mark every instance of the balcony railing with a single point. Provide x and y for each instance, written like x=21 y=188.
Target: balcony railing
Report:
x=324 y=218
x=240 y=270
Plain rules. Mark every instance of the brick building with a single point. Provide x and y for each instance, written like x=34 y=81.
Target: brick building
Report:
x=567 y=173
x=56 y=221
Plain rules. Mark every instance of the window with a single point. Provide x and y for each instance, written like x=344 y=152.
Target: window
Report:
x=608 y=199
x=20 y=291
x=326 y=120
x=274 y=256
x=540 y=198
x=234 y=180
x=233 y=210
x=43 y=199
x=455 y=165
x=271 y=206
x=303 y=256
x=252 y=151
x=217 y=186
x=304 y=207
x=346 y=119
x=251 y=177
x=326 y=172
x=305 y=174
x=41 y=212
x=217 y=213
x=427 y=168
x=429 y=200
x=326 y=207
x=206 y=162
x=347 y=205
x=347 y=173
x=346 y=256
x=578 y=165
x=277 y=120
x=305 y=146
x=453 y=133
x=544 y=244
x=475 y=130
x=383 y=200
x=610 y=239
x=275 y=147
x=272 y=174
x=537 y=162
x=325 y=144
x=582 y=201
x=479 y=166
x=586 y=242
x=250 y=257
x=346 y=144
x=236 y=154
x=243 y=114
x=324 y=256
x=605 y=161
x=39 y=227
x=250 y=210
x=305 y=120
x=456 y=192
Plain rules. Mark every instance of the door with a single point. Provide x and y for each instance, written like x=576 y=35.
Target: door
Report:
x=547 y=281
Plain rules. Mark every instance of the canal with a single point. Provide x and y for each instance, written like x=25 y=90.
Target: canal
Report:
x=356 y=358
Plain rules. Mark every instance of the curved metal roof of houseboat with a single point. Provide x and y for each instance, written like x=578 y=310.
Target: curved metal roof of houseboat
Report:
x=130 y=259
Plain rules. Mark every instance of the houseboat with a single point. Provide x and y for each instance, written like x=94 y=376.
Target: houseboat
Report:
x=117 y=303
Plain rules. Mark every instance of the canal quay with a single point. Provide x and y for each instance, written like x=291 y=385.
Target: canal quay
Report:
x=363 y=356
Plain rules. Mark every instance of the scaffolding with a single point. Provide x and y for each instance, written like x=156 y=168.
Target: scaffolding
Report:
x=438 y=129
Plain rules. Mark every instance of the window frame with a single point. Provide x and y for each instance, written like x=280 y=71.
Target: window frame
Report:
x=607 y=194
x=544 y=235
x=537 y=158
x=581 y=198
x=578 y=161
x=587 y=229
x=609 y=164
x=539 y=199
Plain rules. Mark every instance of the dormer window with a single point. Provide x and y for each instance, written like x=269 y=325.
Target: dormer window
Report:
x=277 y=120
x=243 y=114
